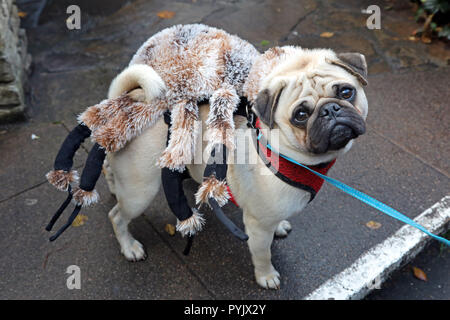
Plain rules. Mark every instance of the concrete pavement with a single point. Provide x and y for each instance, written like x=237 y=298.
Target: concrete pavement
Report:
x=402 y=160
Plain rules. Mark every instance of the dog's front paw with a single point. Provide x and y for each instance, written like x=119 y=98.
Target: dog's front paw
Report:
x=283 y=228
x=270 y=280
x=134 y=252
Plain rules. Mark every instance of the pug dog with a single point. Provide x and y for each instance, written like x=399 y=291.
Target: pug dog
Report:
x=315 y=101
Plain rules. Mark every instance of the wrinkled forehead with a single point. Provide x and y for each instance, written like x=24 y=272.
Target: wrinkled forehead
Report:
x=311 y=85
x=309 y=76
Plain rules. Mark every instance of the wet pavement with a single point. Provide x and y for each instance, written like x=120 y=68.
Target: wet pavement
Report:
x=402 y=160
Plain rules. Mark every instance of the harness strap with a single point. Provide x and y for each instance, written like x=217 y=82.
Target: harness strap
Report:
x=290 y=173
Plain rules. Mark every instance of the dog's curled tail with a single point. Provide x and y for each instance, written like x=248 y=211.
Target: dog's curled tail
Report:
x=135 y=76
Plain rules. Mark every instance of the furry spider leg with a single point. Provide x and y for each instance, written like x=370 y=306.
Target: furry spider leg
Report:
x=85 y=194
x=184 y=130
x=63 y=175
x=220 y=132
x=189 y=221
x=220 y=122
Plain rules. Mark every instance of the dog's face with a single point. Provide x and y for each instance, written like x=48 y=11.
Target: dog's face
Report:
x=317 y=101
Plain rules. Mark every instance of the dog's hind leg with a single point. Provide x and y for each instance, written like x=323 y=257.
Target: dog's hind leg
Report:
x=133 y=196
x=131 y=248
x=137 y=180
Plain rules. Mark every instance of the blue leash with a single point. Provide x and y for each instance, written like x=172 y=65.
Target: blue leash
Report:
x=380 y=206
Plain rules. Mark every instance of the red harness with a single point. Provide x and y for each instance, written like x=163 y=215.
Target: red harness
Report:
x=290 y=172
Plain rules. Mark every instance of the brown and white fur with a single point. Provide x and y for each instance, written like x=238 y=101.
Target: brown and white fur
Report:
x=304 y=76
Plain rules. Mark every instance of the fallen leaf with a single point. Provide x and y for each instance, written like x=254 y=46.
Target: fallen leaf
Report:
x=425 y=39
x=264 y=43
x=166 y=14
x=327 y=34
x=22 y=14
x=373 y=225
x=170 y=229
x=412 y=38
x=419 y=274
x=79 y=220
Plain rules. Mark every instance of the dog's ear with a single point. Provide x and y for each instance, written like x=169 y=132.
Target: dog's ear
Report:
x=266 y=104
x=355 y=63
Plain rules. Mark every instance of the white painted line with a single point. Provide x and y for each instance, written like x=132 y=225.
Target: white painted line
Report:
x=374 y=266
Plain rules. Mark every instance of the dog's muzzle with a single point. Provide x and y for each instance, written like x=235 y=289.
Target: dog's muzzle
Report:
x=334 y=127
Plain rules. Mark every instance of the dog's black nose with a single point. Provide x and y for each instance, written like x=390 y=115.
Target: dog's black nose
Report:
x=329 y=110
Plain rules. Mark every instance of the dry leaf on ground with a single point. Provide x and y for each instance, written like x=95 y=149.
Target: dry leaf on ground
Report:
x=373 y=225
x=327 y=34
x=419 y=274
x=425 y=39
x=170 y=229
x=22 y=14
x=79 y=220
x=166 y=14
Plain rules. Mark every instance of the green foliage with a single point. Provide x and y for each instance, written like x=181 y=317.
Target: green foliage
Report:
x=435 y=6
x=436 y=17
x=445 y=32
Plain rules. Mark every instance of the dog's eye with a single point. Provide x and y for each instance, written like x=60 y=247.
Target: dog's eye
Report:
x=299 y=116
x=346 y=93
